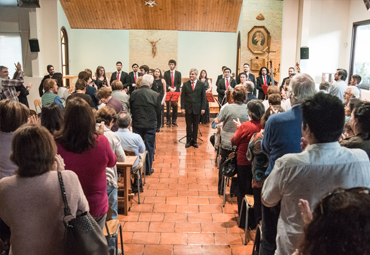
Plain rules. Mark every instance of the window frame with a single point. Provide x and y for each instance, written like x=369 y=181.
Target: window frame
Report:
x=66 y=50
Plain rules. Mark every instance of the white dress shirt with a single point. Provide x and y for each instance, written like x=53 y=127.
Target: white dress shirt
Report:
x=310 y=175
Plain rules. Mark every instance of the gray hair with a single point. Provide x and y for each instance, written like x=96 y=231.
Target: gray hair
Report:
x=147 y=79
x=124 y=119
x=250 y=86
x=2 y=67
x=301 y=87
x=255 y=109
x=194 y=70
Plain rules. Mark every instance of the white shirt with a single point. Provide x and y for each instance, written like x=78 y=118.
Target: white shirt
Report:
x=310 y=175
x=341 y=86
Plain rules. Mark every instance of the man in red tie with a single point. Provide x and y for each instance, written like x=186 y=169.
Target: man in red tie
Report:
x=120 y=76
x=263 y=79
x=134 y=75
x=224 y=84
x=193 y=104
x=173 y=83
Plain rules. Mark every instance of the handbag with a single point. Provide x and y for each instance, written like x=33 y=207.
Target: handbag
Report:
x=83 y=236
x=228 y=167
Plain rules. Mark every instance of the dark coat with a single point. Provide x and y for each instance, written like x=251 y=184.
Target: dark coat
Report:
x=177 y=81
x=193 y=101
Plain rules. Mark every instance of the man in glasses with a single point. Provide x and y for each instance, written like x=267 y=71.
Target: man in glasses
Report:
x=323 y=166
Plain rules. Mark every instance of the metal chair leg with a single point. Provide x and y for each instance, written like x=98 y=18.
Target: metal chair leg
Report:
x=241 y=212
x=138 y=187
x=246 y=223
x=120 y=230
x=224 y=184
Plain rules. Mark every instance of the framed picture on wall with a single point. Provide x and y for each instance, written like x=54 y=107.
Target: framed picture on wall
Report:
x=259 y=40
x=257 y=63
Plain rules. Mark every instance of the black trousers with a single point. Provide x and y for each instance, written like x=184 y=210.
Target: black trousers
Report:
x=270 y=216
x=171 y=105
x=148 y=135
x=244 y=183
x=159 y=117
x=192 y=122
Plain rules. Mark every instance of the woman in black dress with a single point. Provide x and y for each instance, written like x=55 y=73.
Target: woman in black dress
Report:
x=101 y=79
x=204 y=119
x=159 y=86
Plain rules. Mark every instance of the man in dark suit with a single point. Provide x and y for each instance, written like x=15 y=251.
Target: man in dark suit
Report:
x=221 y=75
x=133 y=77
x=50 y=70
x=224 y=84
x=249 y=75
x=291 y=71
x=173 y=83
x=262 y=79
x=193 y=104
x=120 y=75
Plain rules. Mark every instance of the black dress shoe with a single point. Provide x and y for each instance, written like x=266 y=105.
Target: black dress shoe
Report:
x=158 y=130
x=187 y=145
x=168 y=123
x=195 y=145
x=174 y=123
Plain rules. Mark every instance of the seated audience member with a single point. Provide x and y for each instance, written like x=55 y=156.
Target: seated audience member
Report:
x=259 y=161
x=339 y=86
x=90 y=86
x=31 y=201
x=356 y=80
x=323 y=166
x=324 y=87
x=144 y=106
x=12 y=116
x=351 y=92
x=341 y=211
x=52 y=118
x=105 y=95
x=241 y=140
x=348 y=109
x=360 y=124
x=51 y=93
x=81 y=93
x=62 y=91
x=119 y=94
x=131 y=142
x=249 y=89
x=228 y=113
x=282 y=135
x=87 y=154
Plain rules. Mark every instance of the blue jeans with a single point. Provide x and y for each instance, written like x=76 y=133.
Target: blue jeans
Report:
x=113 y=200
x=148 y=135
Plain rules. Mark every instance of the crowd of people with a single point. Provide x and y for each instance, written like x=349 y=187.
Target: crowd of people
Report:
x=297 y=149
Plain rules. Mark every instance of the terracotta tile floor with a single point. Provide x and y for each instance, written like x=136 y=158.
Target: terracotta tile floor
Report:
x=180 y=211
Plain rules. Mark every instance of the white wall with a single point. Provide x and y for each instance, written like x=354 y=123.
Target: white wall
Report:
x=206 y=50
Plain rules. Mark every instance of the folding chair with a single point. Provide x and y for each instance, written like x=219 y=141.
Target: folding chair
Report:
x=257 y=241
x=140 y=172
x=111 y=231
x=226 y=181
x=248 y=200
x=37 y=102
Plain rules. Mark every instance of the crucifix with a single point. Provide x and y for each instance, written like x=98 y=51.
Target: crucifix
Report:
x=268 y=51
x=154 y=46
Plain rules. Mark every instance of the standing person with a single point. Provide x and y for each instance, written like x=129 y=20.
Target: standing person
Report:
x=193 y=104
x=8 y=86
x=339 y=84
x=204 y=118
x=120 y=76
x=81 y=92
x=262 y=79
x=277 y=142
x=90 y=87
x=144 y=106
x=134 y=75
x=250 y=76
x=291 y=72
x=249 y=86
x=221 y=76
x=159 y=86
x=105 y=95
x=101 y=78
x=51 y=93
x=50 y=70
x=86 y=153
x=144 y=69
x=173 y=82
x=224 y=84
x=119 y=93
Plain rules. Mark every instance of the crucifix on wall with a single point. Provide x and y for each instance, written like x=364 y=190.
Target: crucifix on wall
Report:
x=154 y=46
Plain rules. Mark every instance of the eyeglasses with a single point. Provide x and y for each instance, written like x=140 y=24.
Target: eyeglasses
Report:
x=358 y=190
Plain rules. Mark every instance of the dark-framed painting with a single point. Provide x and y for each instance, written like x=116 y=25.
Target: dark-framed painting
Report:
x=259 y=40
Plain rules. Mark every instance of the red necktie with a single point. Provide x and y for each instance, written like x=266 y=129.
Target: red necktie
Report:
x=264 y=80
x=135 y=77
x=172 y=81
x=227 y=83
x=118 y=75
x=192 y=85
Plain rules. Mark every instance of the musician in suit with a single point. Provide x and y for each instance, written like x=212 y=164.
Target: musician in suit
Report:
x=250 y=77
x=262 y=79
x=221 y=75
x=193 y=104
x=291 y=71
x=173 y=81
x=133 y=77
x=224 y=83
x=121 y=76
x=50 y=70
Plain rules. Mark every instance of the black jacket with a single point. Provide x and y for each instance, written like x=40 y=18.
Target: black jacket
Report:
x=221 y=88
x=261 y=94
x=144 y=105
x=91 y=91
x=23 y=95
x=132 y=80
x=123 y=78
x=219 y=78
x=177 y=81
x=41 y=87
x=193 y=101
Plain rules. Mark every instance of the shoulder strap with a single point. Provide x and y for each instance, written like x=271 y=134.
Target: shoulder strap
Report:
x=67 y=211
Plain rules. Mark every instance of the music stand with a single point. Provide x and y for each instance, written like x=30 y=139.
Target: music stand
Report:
x=172 y=97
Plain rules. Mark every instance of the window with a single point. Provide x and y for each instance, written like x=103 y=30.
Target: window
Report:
x=64 y=51
x=10 y=50
x=360 y=55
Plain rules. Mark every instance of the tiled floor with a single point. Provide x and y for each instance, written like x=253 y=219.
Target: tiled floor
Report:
x=181 y=212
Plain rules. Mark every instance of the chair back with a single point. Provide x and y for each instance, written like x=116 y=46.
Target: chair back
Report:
x=37 y=102
x=130 y=153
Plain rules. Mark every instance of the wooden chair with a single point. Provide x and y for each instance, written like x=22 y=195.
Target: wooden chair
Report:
x=112 y=227
x=248 y=200
x=226 y=181
x=257 y=240
x=139 y=173
x=37 y=102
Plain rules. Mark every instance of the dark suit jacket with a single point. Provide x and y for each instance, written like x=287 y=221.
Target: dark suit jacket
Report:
x=193 y=101
x=41 y=87
x=123 y=78
x=221 y=88
x=23 y=95
x=132 y=80
x=283 y=82
x=91 y=91
x=177 y=81
x=219 y=78
x=261 y=94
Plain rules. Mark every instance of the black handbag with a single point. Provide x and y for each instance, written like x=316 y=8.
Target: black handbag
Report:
x=83 y=236
x=228 y=167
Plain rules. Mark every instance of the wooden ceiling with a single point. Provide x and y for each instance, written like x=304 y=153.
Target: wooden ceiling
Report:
x=183 y=15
